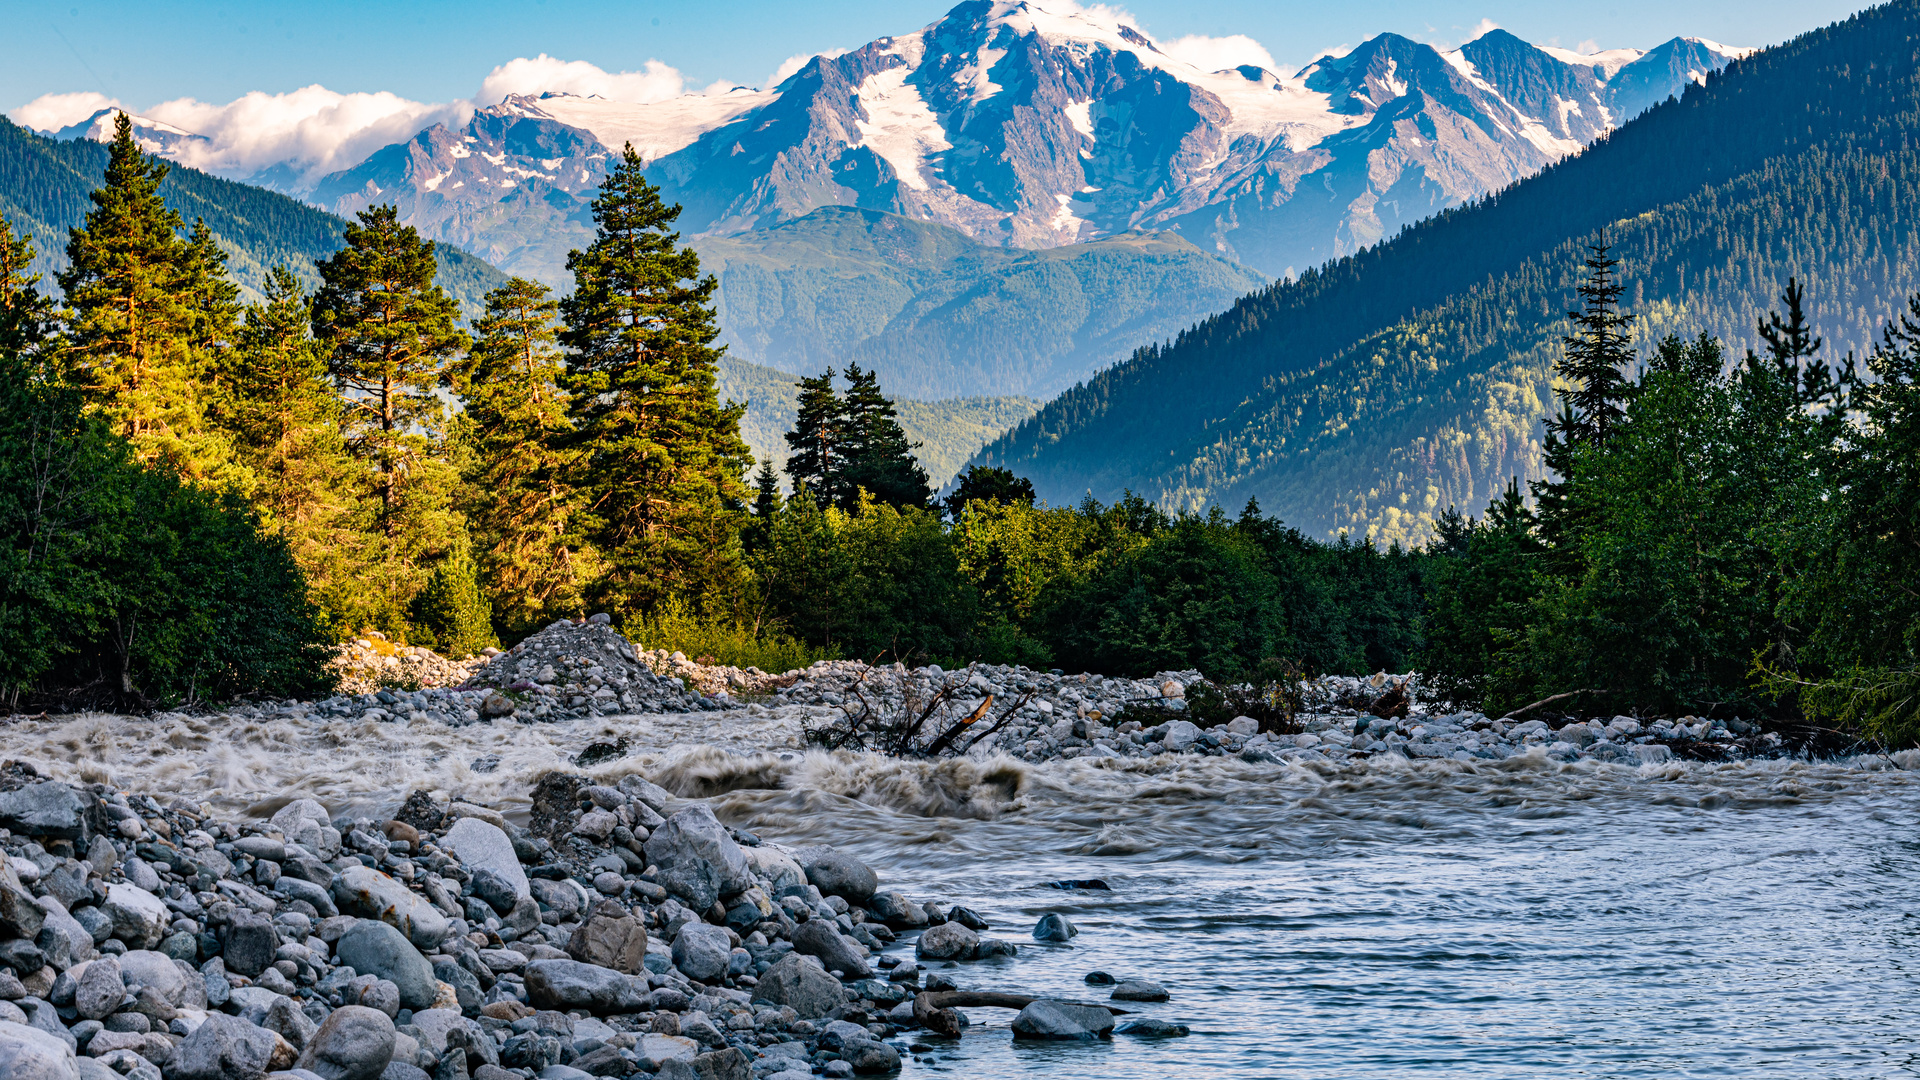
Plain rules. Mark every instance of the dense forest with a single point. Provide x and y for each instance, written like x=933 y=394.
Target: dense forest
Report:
x=44 y=184
x=1376 y=391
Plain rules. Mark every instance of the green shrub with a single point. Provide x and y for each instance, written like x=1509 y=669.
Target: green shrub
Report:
x=726 y=640
x=451 y=611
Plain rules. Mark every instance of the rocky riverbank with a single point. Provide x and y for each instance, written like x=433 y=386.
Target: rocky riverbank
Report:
x=623 y=932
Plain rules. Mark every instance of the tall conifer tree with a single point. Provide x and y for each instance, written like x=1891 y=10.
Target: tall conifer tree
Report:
x=815 y=445
x=388 y=331
x=661 y=458
x=26 y=315
x=136 y=341
x=1597 y=352
x=517 y=495
x=879 y=458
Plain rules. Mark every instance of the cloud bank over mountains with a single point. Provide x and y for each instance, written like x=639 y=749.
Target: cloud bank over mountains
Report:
x=314 y=131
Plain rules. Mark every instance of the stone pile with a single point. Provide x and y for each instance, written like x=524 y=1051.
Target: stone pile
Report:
x=369 y=664
x=714 y=680
x=571 y=670
x=626 y=934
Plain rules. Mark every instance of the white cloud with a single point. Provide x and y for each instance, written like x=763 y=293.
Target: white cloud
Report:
x=51 y=112
x=792 y=64
x=1480 y=30
x=314 y=129
x=655 y=81
x=1219 y=53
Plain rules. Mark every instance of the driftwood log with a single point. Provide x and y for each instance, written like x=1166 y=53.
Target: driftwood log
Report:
x=934 y=1009
x=1543 y=702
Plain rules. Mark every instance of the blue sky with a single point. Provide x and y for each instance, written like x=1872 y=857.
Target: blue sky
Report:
x=216 y=50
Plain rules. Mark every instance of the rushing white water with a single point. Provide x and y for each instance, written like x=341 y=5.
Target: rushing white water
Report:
x=1507 y=919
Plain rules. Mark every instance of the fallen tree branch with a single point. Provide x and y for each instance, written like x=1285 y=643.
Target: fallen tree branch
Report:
x=1543 y=702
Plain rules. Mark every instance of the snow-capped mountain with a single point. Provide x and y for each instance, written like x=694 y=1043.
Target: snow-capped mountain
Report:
x=1032 y=123
x=154 y=136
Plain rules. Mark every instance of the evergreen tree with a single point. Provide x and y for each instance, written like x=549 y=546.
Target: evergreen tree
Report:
x=135 y=340
x=816 y=441
x=766 y=505
x=1597 y=352
x=450 y=610
x=990 y=482
x=387 y=331
x=213 y=300
x=1792 y=346
x=26 y=315
x=517 y=495
x=878 y=459
x=661 y=459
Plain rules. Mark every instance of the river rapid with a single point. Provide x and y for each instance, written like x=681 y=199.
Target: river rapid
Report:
x=1508 y=919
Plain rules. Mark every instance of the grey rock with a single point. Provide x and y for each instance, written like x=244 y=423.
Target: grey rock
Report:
x=97 y=923
x=611 y=939
x=565 y=899
x=28 y=1053
x=1046 y=1019
x=370 y=894
x=1139 y=990
x=728 y=1064
x=139 y=918
x=466 y=985
x=650 y=794
x=48 y=809
x=305 y=822
x=480 y=845
x=1181 y=734
x=801 y=985
x=819 y=938
x=948 y=941
x=1054 y=926
x=569 y=984
x=1149 y=1028
x=140 y=872
x=20 y=916
x=697 y=860
x=99 y=989
x=836 y=873
x=496 y=889
x=301 y=889
x=181 y=989
x=375 y=948
x=700 y=951
x=897 y=911
x=353 y=1043
x=250 y=945
x=64 y=941
x=261 y=847
x=223 y=1048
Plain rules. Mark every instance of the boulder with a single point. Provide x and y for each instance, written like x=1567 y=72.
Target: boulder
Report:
x=611 y=938
x=481 y=845
x=948 y=941
x=565 y=898
x=820 y=938
x=1045 y=1019
x=836 y=873
x=370 y=894
x=375 y=948
x=49 y=809
x=701 y=951
x=800 y=984
x=1150 y=1028
x=353 y=1043
x=250 y=945
x=1180 y=735
x=774 y=867
x=697 y=860
x=1054 y=926
x=98 y=989
x=139 y=918
x=20 y=916
x=27 y=1053
x=569 y=984
x=177 y=985
x=261 y=847
x=305 y=822
x=224 y=1048
x=1139 y=990
x=497 y=890
x=64 y=941
x=301 y=889
x=650 y=794
x=727 y=1064
x=897 y=911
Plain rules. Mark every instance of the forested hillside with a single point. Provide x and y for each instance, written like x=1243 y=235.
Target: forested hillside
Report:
x=939 y=315
x=43 y=191
x=1377 y=391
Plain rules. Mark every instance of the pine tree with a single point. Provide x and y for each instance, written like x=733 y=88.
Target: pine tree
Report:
x=1792 y=346
x=213 y=299
x=767 y=504
x=517 y=494
x=388 y=331
x=661 y=458
x=1597 y=352
x=879 y=459
x=815 y=445
x=135 y=341
x=990 y=482
x=26 y=315
x=451 y=610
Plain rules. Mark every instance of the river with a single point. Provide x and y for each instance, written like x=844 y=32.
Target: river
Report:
x=1508 y=919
